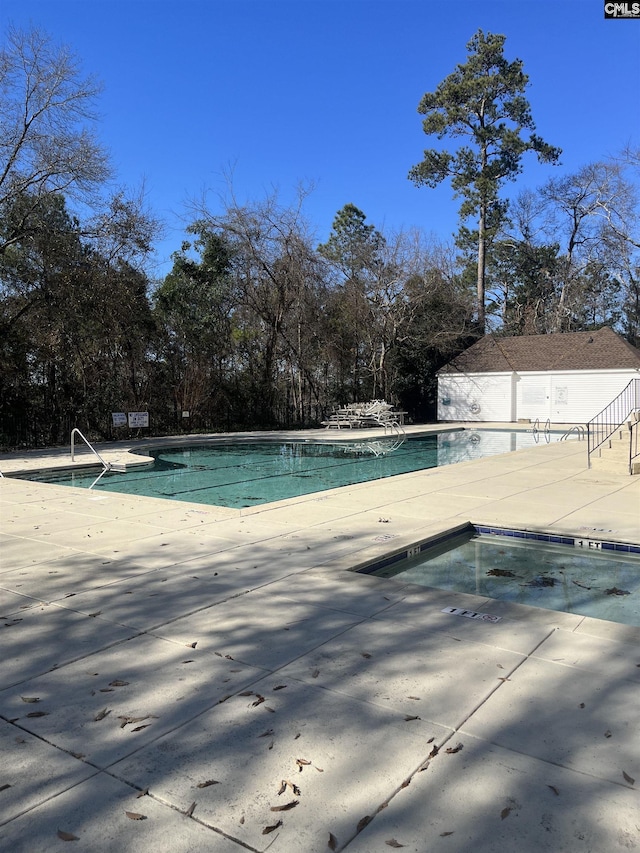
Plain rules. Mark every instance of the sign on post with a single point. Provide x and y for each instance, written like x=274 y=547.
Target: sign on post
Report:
x=118 y=419
x=138 y=419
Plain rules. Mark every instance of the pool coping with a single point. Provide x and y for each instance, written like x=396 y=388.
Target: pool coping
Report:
x=19 y=466
x=130 y=452
x=422 y=545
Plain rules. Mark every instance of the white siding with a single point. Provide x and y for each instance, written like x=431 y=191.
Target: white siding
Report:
x=569 y=396
x=474 y=397
x=572 y=396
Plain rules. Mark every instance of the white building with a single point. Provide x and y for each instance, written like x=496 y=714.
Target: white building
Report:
x=566 y=378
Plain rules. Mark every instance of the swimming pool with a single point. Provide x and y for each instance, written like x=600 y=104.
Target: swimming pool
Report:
x=564 y=573
x=245 y=474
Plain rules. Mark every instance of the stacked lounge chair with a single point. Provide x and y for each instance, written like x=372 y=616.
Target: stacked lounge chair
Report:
x=360 y=415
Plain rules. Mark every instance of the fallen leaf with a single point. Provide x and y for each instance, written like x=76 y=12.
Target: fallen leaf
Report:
x=38 y=714
x=101 y=714
x=280 y=687
x=434 y=751
x=192 y=645
x=501 y=573
x=444 y=834
x=628 y=778
x=453 y=749
x=409 y=717
x=207 y=784
x=30 y=698
x=97 y=613
x=554 y=789
x=267 y=733
x=333 y=842
x=365 y=821
x=615 y=591
x=582 y=705
x=246 y=693
x=66 y=836
x=139 y=728
x=607 y=733
x=505 y=813
x=391 y=842
x=316 y=673
x=142 y=793
x=191 y=809
x=365 y=654
x=118 y=683
x=135 y=816
x=417 y=698
x=259 y=701
x=302 y=762
x=271 y=828
x=287 y=784
x=129 y=720
x=4 y=787
x=286 y=807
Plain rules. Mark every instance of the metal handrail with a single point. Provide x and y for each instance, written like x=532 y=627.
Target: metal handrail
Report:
x=106 y=466
x=634 y=450
x=601 y=427
x=89 y=445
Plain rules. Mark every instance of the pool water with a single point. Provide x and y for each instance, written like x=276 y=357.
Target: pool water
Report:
x=602 y=584
x=245 y=474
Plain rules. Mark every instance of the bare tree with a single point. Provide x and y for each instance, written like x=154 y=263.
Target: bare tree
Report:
x=277 y=277
x=595 y=213
x=46 y=111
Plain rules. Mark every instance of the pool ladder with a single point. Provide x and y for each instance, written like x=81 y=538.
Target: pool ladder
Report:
x=535 y=429
x=578 y=429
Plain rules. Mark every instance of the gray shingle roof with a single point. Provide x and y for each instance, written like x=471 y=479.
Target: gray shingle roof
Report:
x=601 y=350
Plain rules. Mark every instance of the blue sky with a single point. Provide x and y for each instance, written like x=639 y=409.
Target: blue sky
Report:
x=325 y=92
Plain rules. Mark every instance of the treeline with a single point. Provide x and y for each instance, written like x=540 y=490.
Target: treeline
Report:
x=258 y=325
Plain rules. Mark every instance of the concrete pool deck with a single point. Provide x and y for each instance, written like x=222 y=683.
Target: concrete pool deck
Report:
x=180 y=677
